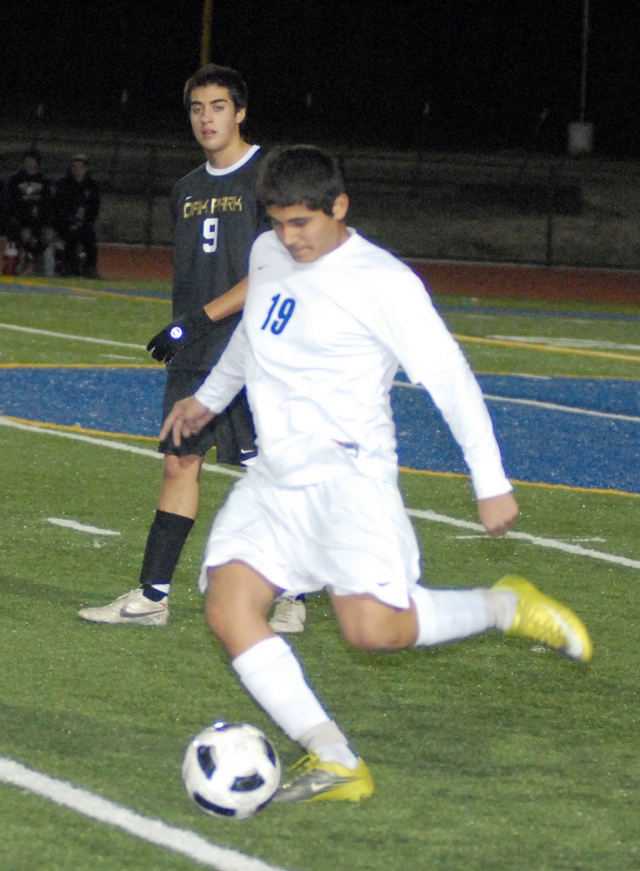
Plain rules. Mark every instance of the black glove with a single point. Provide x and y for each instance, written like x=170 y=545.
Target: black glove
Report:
x=168 y=342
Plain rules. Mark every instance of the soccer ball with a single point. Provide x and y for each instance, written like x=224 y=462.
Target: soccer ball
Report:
x=231 y=770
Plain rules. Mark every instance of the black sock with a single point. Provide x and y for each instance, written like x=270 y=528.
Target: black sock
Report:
x=167 y=536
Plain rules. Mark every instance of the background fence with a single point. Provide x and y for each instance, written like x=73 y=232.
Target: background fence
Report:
x=517 y=208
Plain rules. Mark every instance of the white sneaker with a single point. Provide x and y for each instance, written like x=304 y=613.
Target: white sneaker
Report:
x=131 y=607
x=289 y=615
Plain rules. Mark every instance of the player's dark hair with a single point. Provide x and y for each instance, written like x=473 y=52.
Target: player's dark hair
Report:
x=224 y=77
x=305 y=175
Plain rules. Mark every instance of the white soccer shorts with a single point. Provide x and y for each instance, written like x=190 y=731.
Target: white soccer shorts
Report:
x=350 y=534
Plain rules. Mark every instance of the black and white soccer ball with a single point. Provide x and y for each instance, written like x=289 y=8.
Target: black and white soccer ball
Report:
x=231 y=770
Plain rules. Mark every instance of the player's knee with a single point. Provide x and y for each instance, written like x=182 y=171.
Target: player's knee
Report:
x=226 y=604
x=373 y=627
x=363 y=639
x=374 y=635
x=181 y=469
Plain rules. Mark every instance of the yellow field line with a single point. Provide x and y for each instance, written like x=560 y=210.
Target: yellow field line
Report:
x=84 y=290
x=549 y=349
x=78 y=429
x=114 y=435
x=526 y=483
x=80 y=365
x=125 y=295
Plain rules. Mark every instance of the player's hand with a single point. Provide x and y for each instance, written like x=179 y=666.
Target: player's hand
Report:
x=498 y=513
x=166 y=344
x=186 y=418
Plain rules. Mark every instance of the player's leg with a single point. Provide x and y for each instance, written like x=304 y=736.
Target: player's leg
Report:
x=26 y=256
x=254 y=538
x=180 y=492
x=47 y=251
x=148 y=605
x=236 y=444
x=372 y=554
x=174 y=518
x=513 y=606
x=238 y=602
x=433 y=617
x=91 y=251
x=68 y=253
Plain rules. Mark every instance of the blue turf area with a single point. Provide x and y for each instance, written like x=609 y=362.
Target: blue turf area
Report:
x=538 y=444
x=112 y=400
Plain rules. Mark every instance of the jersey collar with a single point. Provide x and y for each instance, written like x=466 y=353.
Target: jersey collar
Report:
x=228 y=169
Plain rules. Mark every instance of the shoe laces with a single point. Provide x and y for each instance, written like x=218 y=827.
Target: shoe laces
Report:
x=306 y=764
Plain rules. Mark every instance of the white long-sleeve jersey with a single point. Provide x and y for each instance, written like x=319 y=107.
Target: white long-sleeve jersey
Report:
x=318 y=348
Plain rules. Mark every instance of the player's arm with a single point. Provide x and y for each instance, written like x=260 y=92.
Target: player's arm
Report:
x=166 y=344
x=229 y=303
x=457 y=395
x=432 y=357
x=225 y=380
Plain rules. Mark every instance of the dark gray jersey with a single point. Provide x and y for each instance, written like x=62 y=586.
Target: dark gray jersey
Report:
x=216 y=218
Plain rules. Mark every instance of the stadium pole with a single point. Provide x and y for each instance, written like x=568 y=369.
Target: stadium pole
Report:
x=583 y=69
x=205 y=43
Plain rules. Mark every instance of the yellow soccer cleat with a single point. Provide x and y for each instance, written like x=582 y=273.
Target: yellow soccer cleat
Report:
x=543 y=619
x=326 y=781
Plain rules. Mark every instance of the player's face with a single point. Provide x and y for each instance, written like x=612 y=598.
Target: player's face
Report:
x=78 y=169
x=308 y=235
x=214 y=120
x=31 y=165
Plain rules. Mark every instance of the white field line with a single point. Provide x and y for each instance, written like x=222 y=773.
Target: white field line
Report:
x=157 y=832
x=552 y=406
x=423 y=515
x=118 y=356
x=569 y=343
x=74 y=338
x=80 y=527
x=551 y=543
x=107 y=443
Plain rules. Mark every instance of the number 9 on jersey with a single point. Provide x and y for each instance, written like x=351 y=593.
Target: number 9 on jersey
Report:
x=210 y=234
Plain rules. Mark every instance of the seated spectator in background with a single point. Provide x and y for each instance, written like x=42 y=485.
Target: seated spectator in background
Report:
x=77 y=206
x=28 y=216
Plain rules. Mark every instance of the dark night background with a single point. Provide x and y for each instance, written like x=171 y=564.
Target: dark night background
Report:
x=494 y=75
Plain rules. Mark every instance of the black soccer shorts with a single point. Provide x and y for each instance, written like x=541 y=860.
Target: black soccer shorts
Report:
x=231 y=432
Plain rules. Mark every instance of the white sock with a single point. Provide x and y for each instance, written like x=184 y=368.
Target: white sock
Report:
x=328 y=742
x=163 y=589
x=449 y=615
x=273 y=677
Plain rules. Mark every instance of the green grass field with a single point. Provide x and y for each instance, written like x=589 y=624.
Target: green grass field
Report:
x=488 y=755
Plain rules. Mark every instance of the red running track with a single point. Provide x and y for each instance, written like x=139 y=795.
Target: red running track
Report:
x=464 y=279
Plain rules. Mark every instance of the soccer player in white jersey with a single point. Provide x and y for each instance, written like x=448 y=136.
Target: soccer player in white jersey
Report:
x=328 y=319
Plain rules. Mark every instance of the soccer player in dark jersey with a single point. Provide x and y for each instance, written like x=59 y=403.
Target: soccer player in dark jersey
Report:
x=216 y=217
